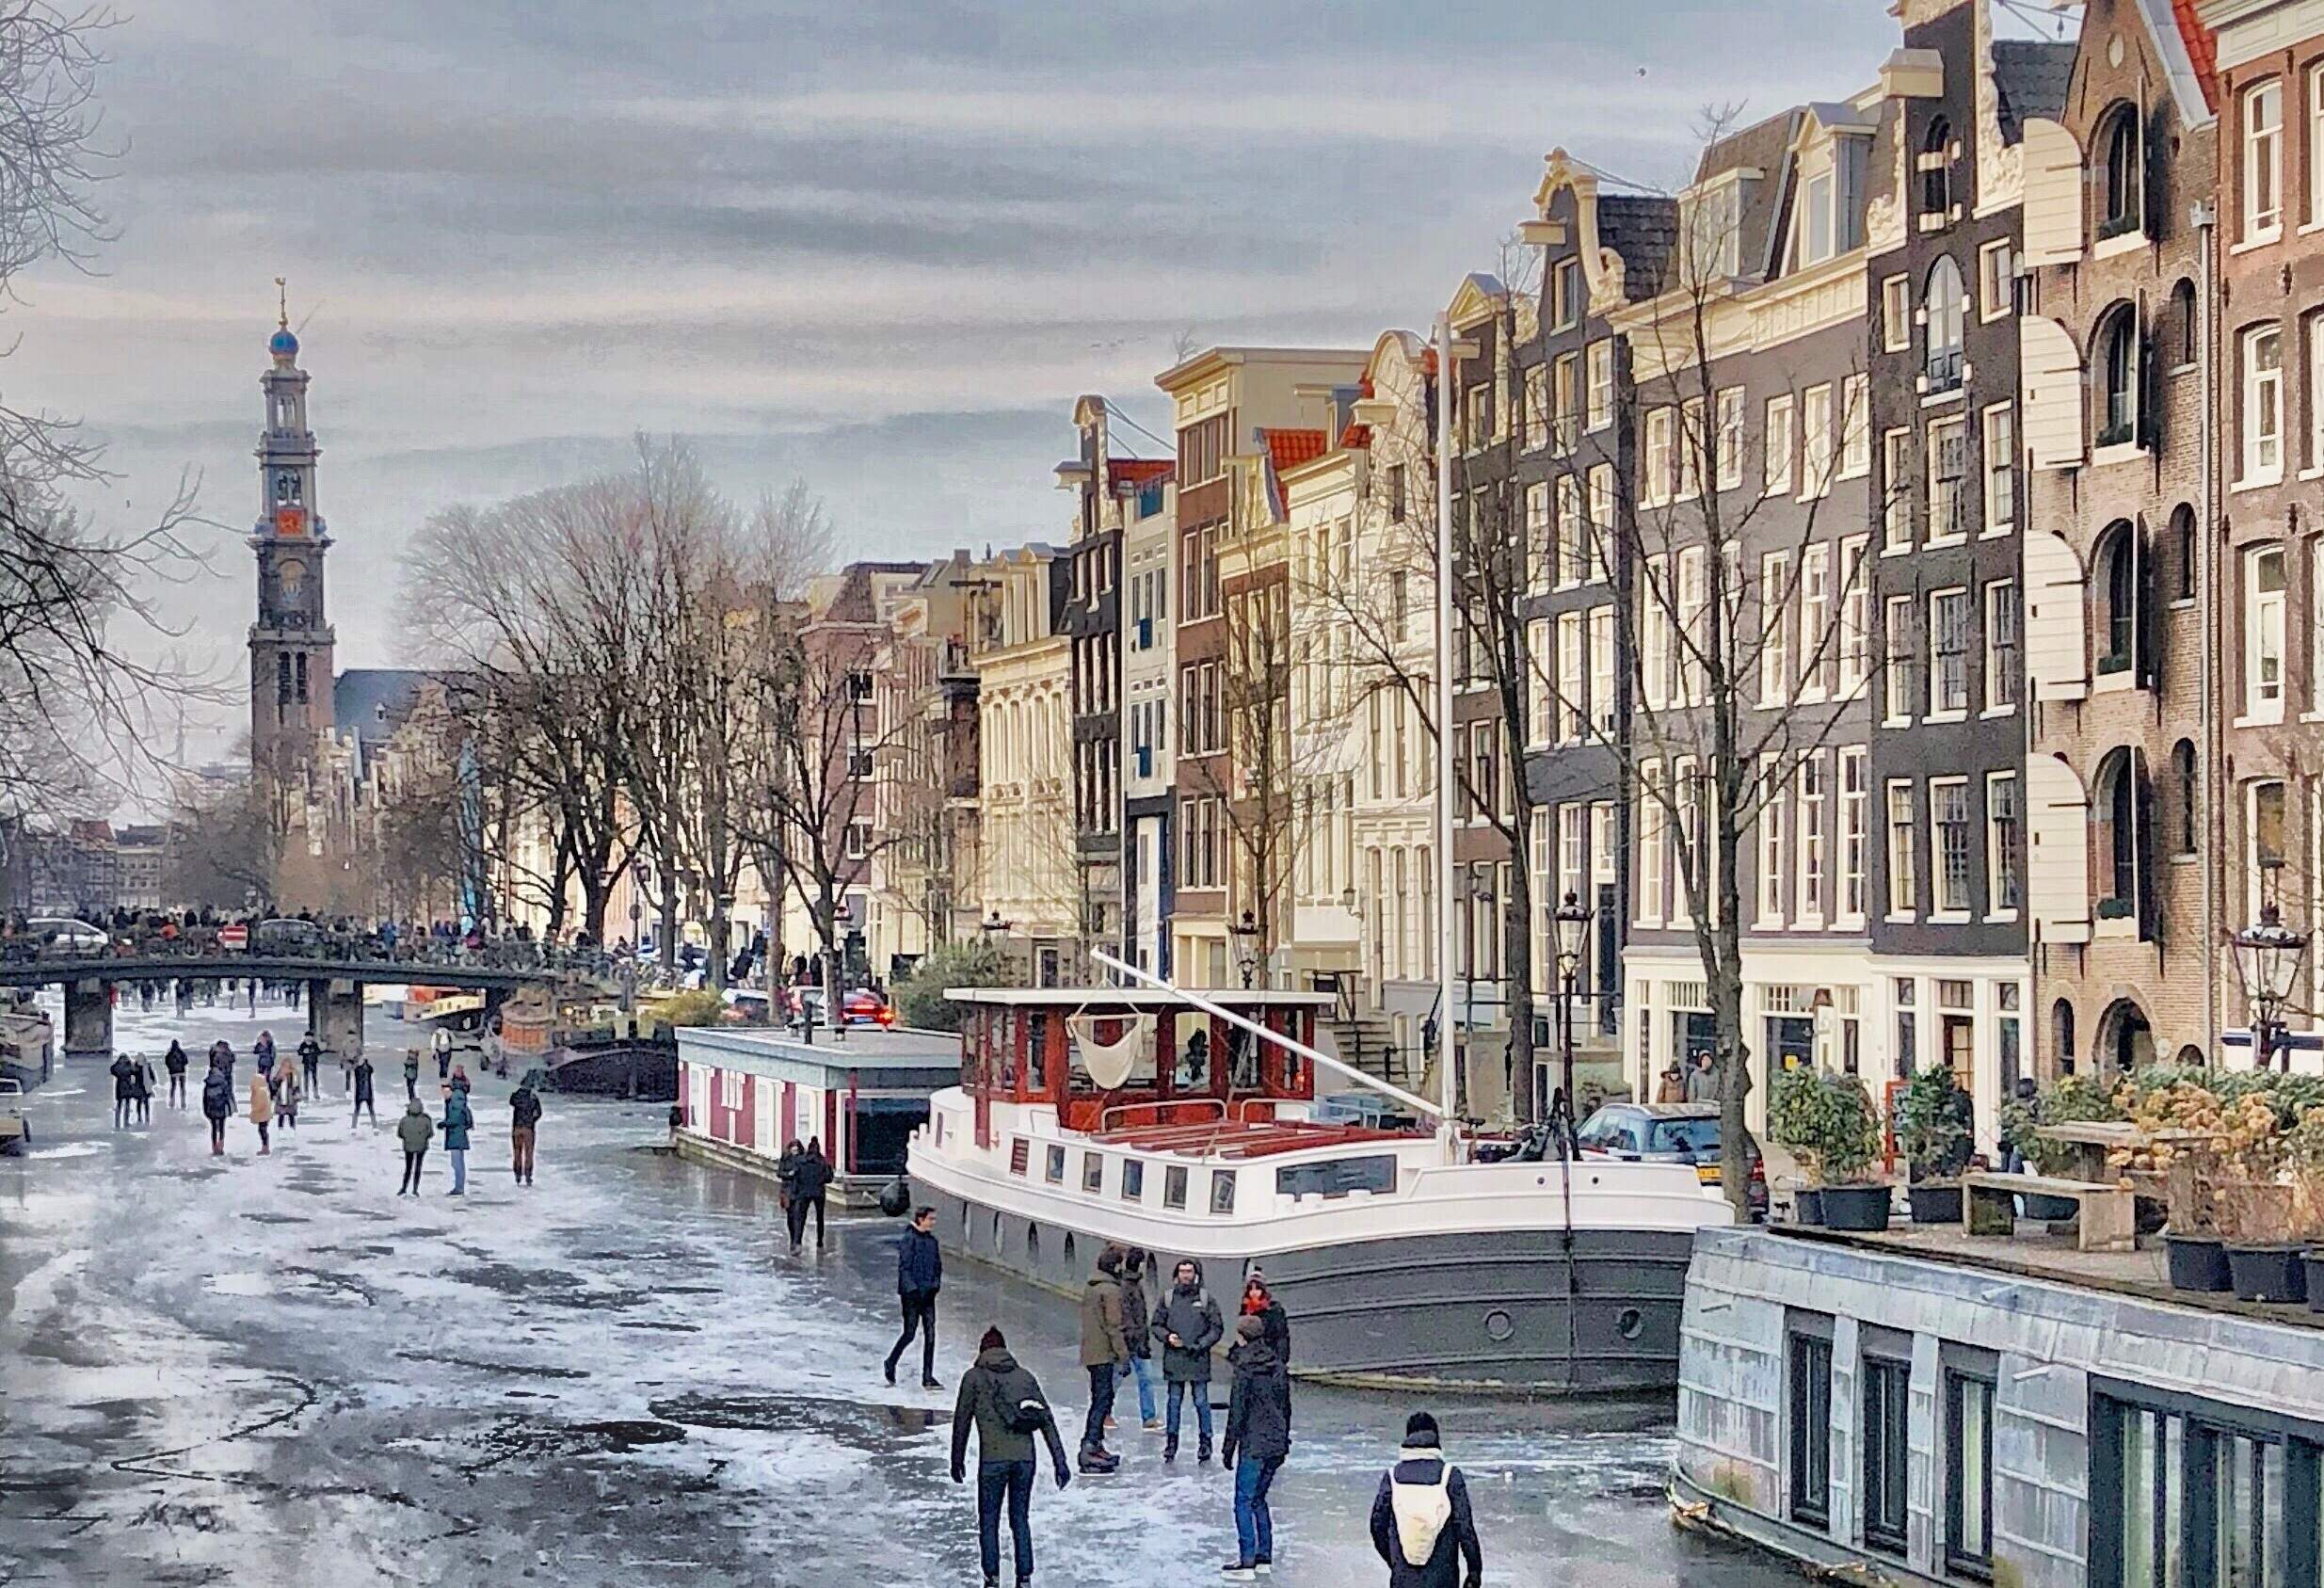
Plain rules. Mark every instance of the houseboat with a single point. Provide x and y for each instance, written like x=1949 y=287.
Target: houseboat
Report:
x=1185 y=1124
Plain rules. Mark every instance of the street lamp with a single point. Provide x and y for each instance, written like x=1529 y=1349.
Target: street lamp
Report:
x=2267 y=955
x=1246 y=948
x=1573 y=926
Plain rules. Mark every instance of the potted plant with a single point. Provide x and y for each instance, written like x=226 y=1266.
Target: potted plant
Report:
x=1828 y=1121
x=1936 y=1132
x=2072 y=1099
x=2161 y=1103
x=2254 y=1204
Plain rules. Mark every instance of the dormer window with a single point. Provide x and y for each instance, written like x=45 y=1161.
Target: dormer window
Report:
x=1816 y=223
x=1936 y=171
x=2125 y=173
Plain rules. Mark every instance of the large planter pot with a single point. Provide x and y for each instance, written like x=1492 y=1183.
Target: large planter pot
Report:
x=2267 y=1272
x=2055 y=1209
x=2197 y=1262
x=1934 y=1202
x=2314 y=1262
x=1857 y=1206
x=1808 y=1205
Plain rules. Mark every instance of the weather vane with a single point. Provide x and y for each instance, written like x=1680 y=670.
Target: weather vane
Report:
x=282 y=299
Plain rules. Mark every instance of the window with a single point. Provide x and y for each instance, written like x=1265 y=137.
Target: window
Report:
x=1602 y=672
x=2001 y=659
x=2263 y=634
x=1969 y=1473
x=2000 y=468
x=2314 y=325
x=859 y=838
x=2120 y=815
x=1887 y=1390
x=2125 y=172
x=1808 y=1403
x=1687 y=788
x=1996 y=280
x=1336 y=1177
x=1855 y=636
x=1536 y=384
x=1816 y=635
x=1599 y=358
x=1814 y=441
x=2262 y=405
x=1945 y=303
x=1655 y=484
x=1222 y=1191
x=1601 y=521
x=1896 y=448
x=2187 y=796
x=1948 y=479
x=1770 y=794
x=1948 y=845
x=1573 y=534
x=1565 y=294
x=1174 y=1187
x=1853 y=833
x=1730 y=444
x=1774 y=628
x=1776 y=440
x=1093 y=1171
x=1655 y=596
x=1569 y=694
x=2118 y=352
x=2118 y=565
x=1949 y=651
x=2188 y=549
x=2316 y=144
x=1896 y=314
x=1856 y=422
x=2002 y=845
x=1815 y=772
x=1816 y=243
x=1903 y=885
x=1692 y=439
x=1565 y=403
x=2263 y=163
x=1651 y=844
x=1694 y=597
x=1133 y=1181
x=1396 y=493
x=1540 y=539
x=1053 y=1168
x=1897 y=659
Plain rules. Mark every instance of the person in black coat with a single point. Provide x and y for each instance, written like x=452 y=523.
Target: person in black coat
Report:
x=1422 y=1487
x=1258 y=1436
x=174 y=1062
x=364 y=1103
x=809 y=1177
x=919 y=1273
x=124 y=1088
x=217 y=1104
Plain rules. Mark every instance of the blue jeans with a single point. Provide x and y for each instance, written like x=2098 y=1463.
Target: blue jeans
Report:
x=1143 y=1369
x=1202 y=1408
x=1014 y=1480
x=1254 y=1524
x=459 y=1170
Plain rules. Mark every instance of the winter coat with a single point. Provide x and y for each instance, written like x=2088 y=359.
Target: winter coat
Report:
x=457 y=1122
x=262 y=1101
x=124 y=1074
x=811 y=1174
x=523 y=1107
x=1458 y=1541
x=920 y=1266
x=1188 y=1312
x=1277 y=1325
x=415 y=1130
x=174 y=1061
x=1258 y=1410
x=363 y=1080
x=1101 y=1322
x=1137 y=1309
x=987 y=1391
x=310 y=1051
x=1702 y=1085
x=787 y=1173
x=411 y=1067
x=217 y=1095
x=141 y=1080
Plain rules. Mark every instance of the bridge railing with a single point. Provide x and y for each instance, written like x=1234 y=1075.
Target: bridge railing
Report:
x=324 y=949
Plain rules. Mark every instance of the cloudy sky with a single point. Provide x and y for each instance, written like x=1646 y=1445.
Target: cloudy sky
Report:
x=882 y=245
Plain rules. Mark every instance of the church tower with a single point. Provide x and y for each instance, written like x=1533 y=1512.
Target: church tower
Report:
x=291 y=641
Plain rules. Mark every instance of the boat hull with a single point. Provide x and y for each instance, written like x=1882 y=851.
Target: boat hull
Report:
x=1527 y=1309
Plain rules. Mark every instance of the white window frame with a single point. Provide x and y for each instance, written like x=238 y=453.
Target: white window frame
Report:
x=1567 y=695
x=1896 y=506
x=1774 y=628
x=1951 y=424
x=1693 y=436
x=1574 y=535
x=1848 y=903
x=1773 y=859
x=1602 y=671
x=1998 y=674
x=1855 y=636
x=1692 y=598
x=1545 y=689
x=1815 y=621
x=1775 y=438
x=1815 y=441
x=2266 y=627
x=2316 y=169
x=1567 y=293
x=2263 y=162
x=2313 y=326
x=1900 y=829
x=1651 y=844
x=1997 y=857
x=1565 y=404
x=1855 y=422
x=1541 y=550
x=1897 y=654
x=1732 y=408
x=1950 y=711
x=1685 y=778
x=1654 y=458
x=2262 y=422
x=1599 y=359
x=1599 y=561
x=1536 y=382
x=1812 y=902
x=1938 y=908
x=1997 y=445
x=1895 y=314
x=1996 y=280
x=1654 y=650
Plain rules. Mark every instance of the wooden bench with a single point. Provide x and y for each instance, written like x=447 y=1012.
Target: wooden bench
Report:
x=2110 y=1214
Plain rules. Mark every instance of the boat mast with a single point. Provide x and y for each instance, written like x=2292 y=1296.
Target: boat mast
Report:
x=1443 y=708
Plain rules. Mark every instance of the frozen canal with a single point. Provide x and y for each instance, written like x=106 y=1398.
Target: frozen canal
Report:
x=272 y=1370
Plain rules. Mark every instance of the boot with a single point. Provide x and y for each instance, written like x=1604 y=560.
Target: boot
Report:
x=1170 y=1447
x=1202 y=1453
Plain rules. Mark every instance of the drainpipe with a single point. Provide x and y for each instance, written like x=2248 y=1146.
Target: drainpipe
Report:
x=2206 y=217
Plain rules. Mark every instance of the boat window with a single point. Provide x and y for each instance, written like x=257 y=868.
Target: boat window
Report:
x=1093 y=1171
x=1222 y=1191
x=1036 y=1054
x=1133 y=1181
x=1174 y=1187
x=1336 y=1177
x=1021 y=1153
x=1005 y=1036
x=1057 y=1169
x=1193 y=1072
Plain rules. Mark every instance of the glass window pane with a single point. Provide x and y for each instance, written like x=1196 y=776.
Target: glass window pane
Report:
x=2139 y=1500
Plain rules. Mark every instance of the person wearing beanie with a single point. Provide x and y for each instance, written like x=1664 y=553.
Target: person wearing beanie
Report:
x=1004 y=1403
x=1420 y=1521
x=1258 y=1436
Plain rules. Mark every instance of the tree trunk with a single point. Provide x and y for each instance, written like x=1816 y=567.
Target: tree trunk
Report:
x=1519 y=945
x=717 y=946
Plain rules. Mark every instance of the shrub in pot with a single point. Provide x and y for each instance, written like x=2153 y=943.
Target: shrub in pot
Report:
x=2162 y=1102
x=2072 y=1099
x=1828 y=1121
x=2256 y=1205
x=1936 y=1132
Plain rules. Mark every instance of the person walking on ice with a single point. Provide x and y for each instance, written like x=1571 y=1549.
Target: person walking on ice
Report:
x=1420 y=1522
x=919 y=1273
x=1004 y=1404
x=415 y=1130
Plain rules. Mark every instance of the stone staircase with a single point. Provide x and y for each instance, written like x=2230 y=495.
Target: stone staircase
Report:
x=1365 y=1040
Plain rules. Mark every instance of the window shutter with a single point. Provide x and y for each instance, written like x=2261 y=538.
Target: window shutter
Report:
x=2053 y=166
x=2049 y=383
x=2054 y=617
x=2057 y=850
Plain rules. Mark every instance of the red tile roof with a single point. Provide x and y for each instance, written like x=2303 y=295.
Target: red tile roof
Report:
x=1291 y=448
x=1138 y=470
x=2202 y=49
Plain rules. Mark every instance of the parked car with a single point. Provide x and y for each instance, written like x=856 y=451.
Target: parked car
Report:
x=64 y=935
x=747 y=1005
x=15 y=1135
x=860 y=1007
x=1665 y=1133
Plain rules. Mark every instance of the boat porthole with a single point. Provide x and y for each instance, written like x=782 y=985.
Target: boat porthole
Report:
x=1498 y=1327
x=1069 y=1250
x=1630 y=1324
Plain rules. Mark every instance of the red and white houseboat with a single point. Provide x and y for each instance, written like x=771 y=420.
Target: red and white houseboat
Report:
x=1165 y=1120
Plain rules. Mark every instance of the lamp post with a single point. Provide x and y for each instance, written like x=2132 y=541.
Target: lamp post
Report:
x=2267 y=955
x=1246 y=948
x=1572 y=925
x=629 y=982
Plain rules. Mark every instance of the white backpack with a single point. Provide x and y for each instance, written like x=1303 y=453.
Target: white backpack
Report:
x=1421 y=1511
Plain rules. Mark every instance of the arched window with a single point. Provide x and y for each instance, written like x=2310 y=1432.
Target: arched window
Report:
x=2125 y=172
x=2118 y=367
x=2185 y=796
x=1936 y=169
x=1945 y=304
x=2061 y=1033
x=2183 y=327
x=2118 y=567
x=2123 y=837
x=2184 y=551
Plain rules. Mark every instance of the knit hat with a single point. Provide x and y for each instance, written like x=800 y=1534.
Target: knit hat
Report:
x=1248 y=1328
x=992 y=1340
x=1421 y=1429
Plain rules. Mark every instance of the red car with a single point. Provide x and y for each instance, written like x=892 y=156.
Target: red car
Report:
x=860 y=1007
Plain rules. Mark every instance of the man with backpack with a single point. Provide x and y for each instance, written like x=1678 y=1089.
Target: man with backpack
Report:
x=1420 y=1521
x=1005 y=1404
